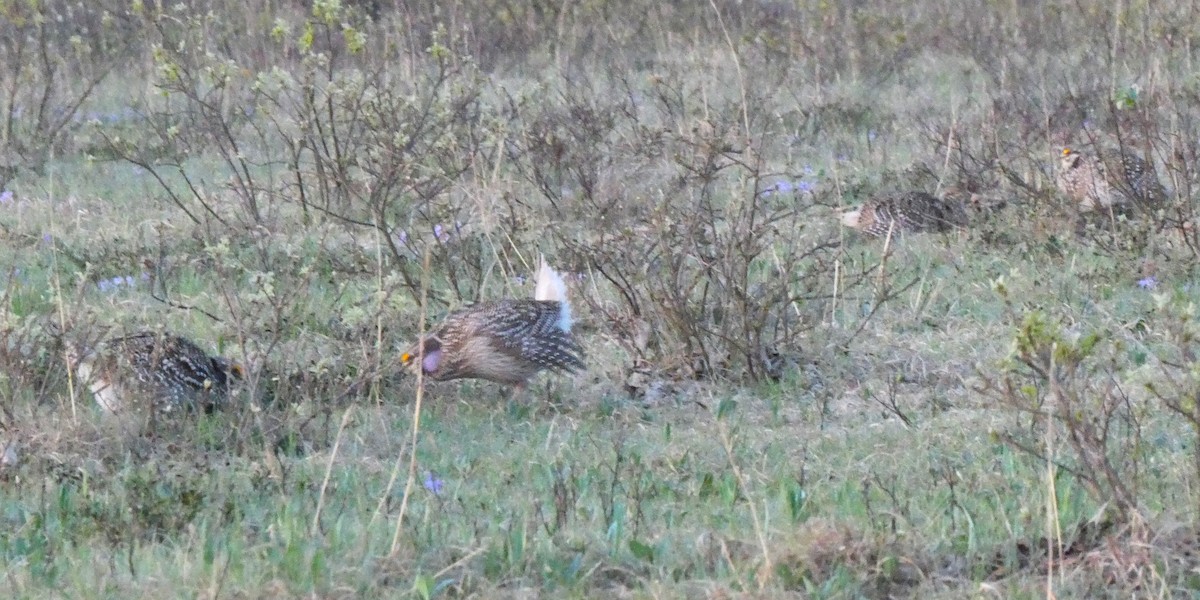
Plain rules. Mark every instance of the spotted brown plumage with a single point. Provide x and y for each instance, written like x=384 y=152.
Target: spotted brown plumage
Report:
x=1122 y=180
x=506 y=341
x=157 y=370
x=902 y=212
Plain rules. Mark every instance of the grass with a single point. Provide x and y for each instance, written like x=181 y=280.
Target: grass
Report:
x=773 y=407
x=560 y=503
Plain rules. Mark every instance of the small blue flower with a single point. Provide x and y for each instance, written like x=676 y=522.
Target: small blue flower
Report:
x=1148 y=283
x=47 y=238
x=871 y=135
x=788 y=187
x=434 y=484
x=440 y=233
x=118 y=282
x=6 y=197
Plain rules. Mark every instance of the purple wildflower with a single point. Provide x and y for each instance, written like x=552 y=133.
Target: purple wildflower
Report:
x=787 y=187
x=434 y=484
x=120 y=281
x=440 y=233
x=6 y=197
x=1148 y=283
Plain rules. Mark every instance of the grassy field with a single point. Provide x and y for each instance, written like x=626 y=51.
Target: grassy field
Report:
x=774 y=407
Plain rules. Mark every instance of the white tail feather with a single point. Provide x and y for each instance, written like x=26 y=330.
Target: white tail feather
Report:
x=550 y=286
x=851 y=219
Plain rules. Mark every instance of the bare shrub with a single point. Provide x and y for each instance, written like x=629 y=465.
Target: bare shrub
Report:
x=704 y=247
x=1073 y=382
x=50 y=71
x=1176 y=384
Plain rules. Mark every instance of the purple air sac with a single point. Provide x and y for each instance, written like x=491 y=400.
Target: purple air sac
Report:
x=431 y=361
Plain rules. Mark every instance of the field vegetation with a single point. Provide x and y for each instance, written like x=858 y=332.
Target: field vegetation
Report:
x=774 y=406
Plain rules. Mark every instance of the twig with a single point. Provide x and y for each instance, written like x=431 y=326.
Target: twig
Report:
x=416 y=420
x=337 y=442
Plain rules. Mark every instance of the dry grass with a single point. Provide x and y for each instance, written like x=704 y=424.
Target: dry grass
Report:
x=774 y=407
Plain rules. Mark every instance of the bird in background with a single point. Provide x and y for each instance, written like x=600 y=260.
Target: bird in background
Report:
x=505 y=341
x=1124 y=180
x=160 y=371
x=905 y=212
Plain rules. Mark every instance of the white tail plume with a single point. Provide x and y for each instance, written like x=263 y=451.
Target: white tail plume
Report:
x=852 y=218
x=550 y=286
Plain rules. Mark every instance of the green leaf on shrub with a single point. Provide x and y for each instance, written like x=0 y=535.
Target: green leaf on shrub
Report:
x=641 y=551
